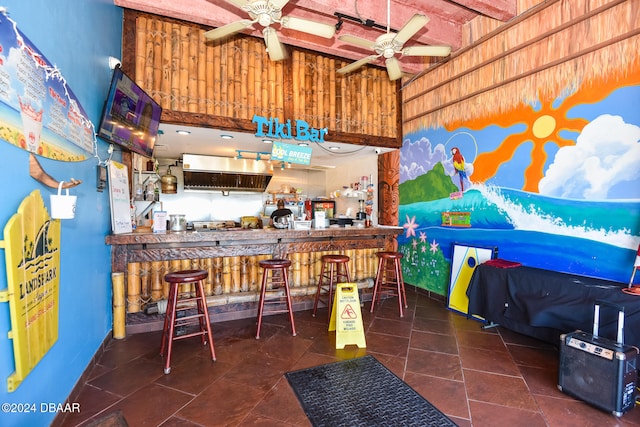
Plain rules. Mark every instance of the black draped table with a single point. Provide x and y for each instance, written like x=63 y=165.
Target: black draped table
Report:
x=545 y=304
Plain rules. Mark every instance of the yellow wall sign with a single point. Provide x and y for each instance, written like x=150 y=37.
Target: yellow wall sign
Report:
x=32 y=253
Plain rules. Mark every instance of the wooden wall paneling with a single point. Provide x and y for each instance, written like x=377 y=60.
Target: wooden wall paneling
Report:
x=223 y=84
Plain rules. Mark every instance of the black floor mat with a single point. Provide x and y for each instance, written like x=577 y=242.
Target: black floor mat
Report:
x=361 y=392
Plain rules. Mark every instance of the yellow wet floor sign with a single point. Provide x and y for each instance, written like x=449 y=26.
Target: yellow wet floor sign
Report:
x=346 y=318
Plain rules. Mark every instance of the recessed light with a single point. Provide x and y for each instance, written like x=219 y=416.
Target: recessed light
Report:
x=183 y=132
x=303 y=144
x=226 y=136
x=267 y=141
x=334 y=147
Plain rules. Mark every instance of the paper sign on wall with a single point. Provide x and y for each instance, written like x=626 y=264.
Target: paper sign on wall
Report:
x=291 y=153
x=119 y=198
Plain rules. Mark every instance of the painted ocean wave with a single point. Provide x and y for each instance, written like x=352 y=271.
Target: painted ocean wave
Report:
x=609 y=222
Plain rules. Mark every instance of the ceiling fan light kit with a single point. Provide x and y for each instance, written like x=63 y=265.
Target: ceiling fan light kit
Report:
x=265 y=13
x=388 y=44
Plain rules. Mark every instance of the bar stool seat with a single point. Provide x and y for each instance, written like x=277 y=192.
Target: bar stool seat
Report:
x=389 y=279
x=179 y=318
x=275 y=275
x=335 y=269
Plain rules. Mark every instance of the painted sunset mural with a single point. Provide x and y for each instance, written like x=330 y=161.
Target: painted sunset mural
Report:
x=554 y=185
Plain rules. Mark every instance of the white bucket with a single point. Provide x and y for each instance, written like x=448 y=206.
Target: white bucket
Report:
x=63 y=206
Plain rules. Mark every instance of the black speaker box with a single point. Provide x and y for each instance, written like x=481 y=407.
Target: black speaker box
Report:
x=598 y=370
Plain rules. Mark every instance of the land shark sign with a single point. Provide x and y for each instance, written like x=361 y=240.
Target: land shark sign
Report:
x=32 y=256
x=38 y=111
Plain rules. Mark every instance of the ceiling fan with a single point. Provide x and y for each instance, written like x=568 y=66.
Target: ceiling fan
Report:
x=266 y=13
x=388 y=44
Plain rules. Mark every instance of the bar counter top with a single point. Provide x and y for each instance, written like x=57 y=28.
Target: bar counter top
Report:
x=239 y=234
x=145 y=247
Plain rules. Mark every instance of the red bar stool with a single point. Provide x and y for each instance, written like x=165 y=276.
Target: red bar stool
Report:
x=389 y=279
x=274 y=276
x=337 y=271
x=173 y=322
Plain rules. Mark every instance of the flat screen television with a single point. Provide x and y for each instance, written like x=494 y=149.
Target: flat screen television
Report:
x=130 y=117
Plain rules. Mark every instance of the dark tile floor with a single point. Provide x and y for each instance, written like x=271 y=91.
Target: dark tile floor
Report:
x=477 y=377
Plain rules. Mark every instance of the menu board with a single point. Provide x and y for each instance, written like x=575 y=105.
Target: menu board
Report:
x=119 y=197
x=38 y=111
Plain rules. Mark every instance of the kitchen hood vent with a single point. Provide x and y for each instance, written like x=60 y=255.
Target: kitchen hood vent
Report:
x=224 y=173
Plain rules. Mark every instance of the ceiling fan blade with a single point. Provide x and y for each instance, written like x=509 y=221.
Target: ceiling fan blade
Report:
x=355 y=65
x=274 y=47
x=227 y=30
x=393 y=69
x=307 y=26
x=426 y=50
x=277 y=4
x=412 y=26
x=358 y=41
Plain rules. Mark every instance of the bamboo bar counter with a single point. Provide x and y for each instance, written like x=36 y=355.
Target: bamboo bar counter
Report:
x=231 y=257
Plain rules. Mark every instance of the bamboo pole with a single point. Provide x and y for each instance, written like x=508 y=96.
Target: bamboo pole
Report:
x=359 y=264
x=200 y=91
x=133 y=287
x=209 y=78
x=217 y=79
x=175 y=67
x=244 y=273
x=145 y=279
x=295 y=269
x=167 y=67
x=208 y=284
x=254 y=274
x=140 y=50
x=218 y=266
x=227 y=279
x=119 y=314
x=157 y=37
x=246 y=82
x=304 y=269
x=156 y=280
x=185 y=69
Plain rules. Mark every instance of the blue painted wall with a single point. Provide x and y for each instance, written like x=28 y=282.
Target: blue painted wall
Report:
x=77 y=36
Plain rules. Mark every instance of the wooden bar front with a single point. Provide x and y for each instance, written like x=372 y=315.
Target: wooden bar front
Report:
x=231 y=257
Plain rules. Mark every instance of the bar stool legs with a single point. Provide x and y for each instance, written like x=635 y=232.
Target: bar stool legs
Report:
x=335 y=269
x=275 y=273
x=389 y=280
x=172 y=321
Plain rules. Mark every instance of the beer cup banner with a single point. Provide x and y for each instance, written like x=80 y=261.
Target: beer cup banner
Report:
x=38 y=111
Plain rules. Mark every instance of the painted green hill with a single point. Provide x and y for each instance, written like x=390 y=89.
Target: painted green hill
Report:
x=433 y=185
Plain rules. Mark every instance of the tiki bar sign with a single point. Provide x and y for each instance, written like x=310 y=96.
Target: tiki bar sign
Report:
x=32 y=254
x=273 y=128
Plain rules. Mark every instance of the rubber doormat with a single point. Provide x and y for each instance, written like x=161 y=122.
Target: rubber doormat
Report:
x=361 y=392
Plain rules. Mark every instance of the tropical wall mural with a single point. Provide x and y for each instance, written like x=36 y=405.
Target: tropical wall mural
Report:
x=539 y=154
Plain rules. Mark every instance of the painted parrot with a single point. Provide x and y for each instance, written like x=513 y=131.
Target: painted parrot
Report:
x=458 y=165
